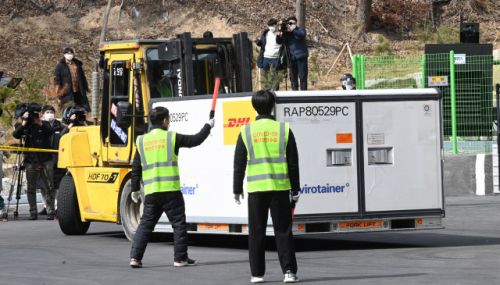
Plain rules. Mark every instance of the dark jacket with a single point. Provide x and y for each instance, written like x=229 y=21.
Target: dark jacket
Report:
x=63 y=76
x=180 y=141
x=57 y=126
x=36 y=137
x=262 y=44
x=240 y=161
x=296 y=42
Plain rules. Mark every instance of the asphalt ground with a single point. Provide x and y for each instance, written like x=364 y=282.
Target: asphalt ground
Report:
x=466 y=252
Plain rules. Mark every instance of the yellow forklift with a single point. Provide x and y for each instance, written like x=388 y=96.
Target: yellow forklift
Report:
x=99 y=158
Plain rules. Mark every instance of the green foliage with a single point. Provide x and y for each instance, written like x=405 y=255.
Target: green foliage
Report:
x=8 y=94
x=425 y=32
x=447 y=35
x=471 y=18
x=383 y=46
x=31 y=90
x=356 y=26
x=314 y=70
x=271 y=82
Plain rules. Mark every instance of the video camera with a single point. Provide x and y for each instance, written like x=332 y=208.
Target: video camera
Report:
x=284 y=25
x=33 y=110
x=73 y=110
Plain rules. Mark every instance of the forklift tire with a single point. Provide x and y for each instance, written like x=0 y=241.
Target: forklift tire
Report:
x=68 y=211
x=130 y=212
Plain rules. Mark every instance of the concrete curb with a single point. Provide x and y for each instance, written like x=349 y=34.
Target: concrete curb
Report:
x=468 y=175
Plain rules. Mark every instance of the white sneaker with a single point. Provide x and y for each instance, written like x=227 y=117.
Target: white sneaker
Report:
x=134 y=263
x=290 y=277
x=257 y=280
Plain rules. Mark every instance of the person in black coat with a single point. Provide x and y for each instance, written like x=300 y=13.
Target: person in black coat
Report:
x=69 y=71
x=48 y=116
x=37 y=134
x=295 y=39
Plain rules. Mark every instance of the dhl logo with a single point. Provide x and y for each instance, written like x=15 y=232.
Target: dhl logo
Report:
x=237 y=122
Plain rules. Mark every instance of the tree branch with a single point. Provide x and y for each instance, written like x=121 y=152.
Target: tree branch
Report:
x=67 y=6
x=40 y=6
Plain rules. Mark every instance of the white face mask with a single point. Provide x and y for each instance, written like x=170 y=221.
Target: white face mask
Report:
x=49 y=117
x=272 y=29
x=293 y=27
x=348 y=85
x=68 y=56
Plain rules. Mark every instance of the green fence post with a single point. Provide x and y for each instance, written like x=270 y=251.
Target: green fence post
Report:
x=453 y=102
x=355 y=69
x=362 y=63
x=423 y=71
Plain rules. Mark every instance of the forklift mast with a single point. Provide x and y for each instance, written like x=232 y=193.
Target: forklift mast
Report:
x=195 y=63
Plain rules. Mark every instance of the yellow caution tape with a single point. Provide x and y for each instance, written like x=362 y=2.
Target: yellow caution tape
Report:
x=16 y=148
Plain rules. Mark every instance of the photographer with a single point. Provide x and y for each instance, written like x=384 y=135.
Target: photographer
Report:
x=269 y=49
x=75 y=116
x=294 y=39
x=48 y=116
x=37 y=133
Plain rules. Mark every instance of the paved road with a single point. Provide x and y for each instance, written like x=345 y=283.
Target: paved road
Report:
x=466 y=252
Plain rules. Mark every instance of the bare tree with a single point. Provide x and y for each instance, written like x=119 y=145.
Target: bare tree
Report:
x=300 y=11
x=105 y=22
x=364 y=14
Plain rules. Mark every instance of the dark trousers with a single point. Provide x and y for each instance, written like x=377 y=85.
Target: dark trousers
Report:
x=281 y=213
x=299 y=70
x=172 y=203
x=32 y=176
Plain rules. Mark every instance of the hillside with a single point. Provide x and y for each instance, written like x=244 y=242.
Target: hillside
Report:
x=33 y=35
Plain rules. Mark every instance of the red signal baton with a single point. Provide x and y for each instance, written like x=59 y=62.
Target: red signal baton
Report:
x=214 y=100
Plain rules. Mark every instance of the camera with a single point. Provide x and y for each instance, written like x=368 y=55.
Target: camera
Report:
x=284 y=25
x=73 y=110
x=33 y=110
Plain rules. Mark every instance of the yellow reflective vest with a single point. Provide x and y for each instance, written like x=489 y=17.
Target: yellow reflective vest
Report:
x=160 y=171
x=265 y=141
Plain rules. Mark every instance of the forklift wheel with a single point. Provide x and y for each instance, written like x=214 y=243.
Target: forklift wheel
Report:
x=68 y=211
x=130 y=212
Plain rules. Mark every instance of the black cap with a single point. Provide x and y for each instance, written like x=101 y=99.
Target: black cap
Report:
x=66 y=50
x=208 y=34
x=272 y=22
x=292 y=18
x=348 y=76
x=48 y=107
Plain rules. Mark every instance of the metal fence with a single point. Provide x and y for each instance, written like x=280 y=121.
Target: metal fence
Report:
x=466 y=83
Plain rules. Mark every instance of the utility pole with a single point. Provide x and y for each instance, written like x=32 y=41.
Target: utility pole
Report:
x=300 y=11
x=105 y=22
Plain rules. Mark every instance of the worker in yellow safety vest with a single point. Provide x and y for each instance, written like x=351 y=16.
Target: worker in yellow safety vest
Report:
x=156 y=162
x=269 y=149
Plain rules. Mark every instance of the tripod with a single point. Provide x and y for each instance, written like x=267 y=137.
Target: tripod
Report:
x=284 y=52
x=18 y=174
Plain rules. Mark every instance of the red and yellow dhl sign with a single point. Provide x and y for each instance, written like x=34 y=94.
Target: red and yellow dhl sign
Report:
x=235 y=115
x=237 y=122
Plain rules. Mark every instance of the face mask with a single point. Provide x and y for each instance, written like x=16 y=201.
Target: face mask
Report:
x=293 y=27
x=49 y=117
x=68 y=56
x=347 y=85
x=272 y=29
